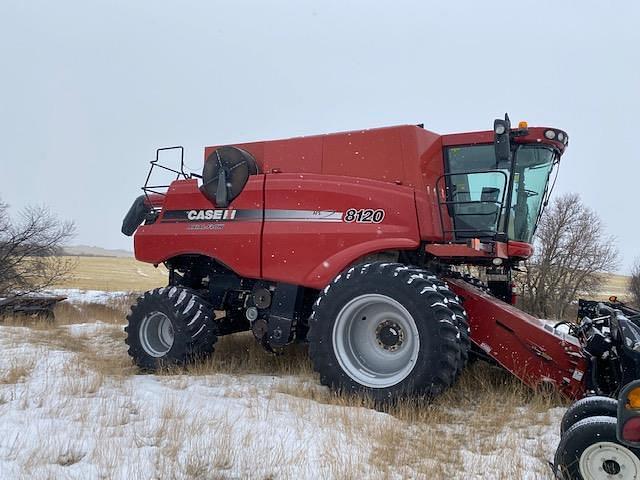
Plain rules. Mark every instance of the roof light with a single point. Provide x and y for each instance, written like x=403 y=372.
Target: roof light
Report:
x=550 y=134
x=561 y=136
x=523 y=125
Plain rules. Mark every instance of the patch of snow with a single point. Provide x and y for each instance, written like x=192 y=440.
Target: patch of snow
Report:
x=86 y=329
x=54 y=425
x=75 y=295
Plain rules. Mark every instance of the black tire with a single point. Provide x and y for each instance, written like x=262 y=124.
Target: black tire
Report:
x=191 y=323
x=462 y=323
x=455 y=304
x=595 y=406
x=437 y=349
x=594 y=434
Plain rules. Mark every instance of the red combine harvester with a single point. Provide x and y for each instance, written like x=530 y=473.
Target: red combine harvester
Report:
x=350 y=242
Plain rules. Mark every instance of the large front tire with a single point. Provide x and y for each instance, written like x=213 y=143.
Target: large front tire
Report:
x=170 y=326
x=384 y=330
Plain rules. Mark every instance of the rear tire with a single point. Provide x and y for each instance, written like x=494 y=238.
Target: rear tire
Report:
x=384 y=330
x=596 y=406
x=590 y=450
x=170 y=326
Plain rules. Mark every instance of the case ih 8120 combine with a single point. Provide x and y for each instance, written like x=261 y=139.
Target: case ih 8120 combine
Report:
x=347 y=241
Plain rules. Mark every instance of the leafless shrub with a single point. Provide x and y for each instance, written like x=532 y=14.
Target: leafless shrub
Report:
x=30 y=248
x=571 y=248
x=634 y=284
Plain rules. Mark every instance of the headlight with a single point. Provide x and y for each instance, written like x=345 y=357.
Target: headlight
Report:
x=499 y=129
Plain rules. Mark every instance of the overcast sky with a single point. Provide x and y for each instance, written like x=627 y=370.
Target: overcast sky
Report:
x=89 y=89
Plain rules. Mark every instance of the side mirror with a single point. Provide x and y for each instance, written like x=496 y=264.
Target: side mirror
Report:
x=502 y=141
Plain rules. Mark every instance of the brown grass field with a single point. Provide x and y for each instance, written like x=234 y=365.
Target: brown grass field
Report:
x=115 y=274
x=487 y=426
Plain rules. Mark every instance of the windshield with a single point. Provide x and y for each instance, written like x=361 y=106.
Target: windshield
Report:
x=478 y=190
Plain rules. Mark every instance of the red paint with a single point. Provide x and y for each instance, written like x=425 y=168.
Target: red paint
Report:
x=312 y=253
x=520 y=342
x=313 y=181
x=392 y=168
x=237 y=245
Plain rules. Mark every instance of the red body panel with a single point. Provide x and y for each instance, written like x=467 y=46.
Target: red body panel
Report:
x=521 y=343
x=392 y=168
x=313 y=250
x=237 y=244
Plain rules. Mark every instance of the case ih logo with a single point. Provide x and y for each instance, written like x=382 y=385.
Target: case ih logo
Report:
x=213 y=215
x=218 y=214
x=269 y=215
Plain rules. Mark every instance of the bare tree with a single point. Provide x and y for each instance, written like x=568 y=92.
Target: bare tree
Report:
x=634 y=284
x=571 y=249
x=30 y=248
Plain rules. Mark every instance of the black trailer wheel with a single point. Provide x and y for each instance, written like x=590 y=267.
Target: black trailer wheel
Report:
x=595 y=406
x=169 y=326
x=383 y=330
x=589 y=450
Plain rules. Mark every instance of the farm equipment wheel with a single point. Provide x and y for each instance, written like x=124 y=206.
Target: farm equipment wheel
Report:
x=169 y=326
x=455 y=304
x=383 y=330
x=596 y=406
x=589 y=450
x=462 y=323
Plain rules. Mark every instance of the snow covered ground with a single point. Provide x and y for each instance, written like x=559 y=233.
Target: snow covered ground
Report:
x=71 y=406
x=75 y=295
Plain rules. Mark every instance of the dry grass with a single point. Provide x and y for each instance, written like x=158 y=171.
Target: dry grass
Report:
x=613 y=284
x=113 y=312
x=240 y=354
x=18 y=371
x=487 y=413
x=115 y=274
x=483 y=413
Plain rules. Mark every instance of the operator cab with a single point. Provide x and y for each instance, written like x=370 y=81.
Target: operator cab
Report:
x=497 y=191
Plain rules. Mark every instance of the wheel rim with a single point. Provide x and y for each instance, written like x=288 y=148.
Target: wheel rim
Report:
x=156 y=334
x=607 y=460
x=376 y=341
